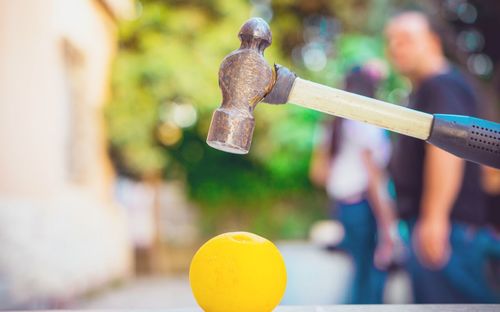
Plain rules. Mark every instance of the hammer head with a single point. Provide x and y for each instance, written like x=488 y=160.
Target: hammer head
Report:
x=244 y=79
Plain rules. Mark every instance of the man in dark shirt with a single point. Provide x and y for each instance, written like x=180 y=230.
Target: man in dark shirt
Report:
x=438 y=194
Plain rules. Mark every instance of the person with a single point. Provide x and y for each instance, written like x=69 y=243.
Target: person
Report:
x=491 y=187
x=350 y=163
x=438 y=194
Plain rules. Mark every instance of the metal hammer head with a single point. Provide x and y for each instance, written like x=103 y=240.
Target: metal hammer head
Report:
x=244 y=78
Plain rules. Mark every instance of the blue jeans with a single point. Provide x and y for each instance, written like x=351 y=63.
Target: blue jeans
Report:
x=359 y=242
x=463 y=279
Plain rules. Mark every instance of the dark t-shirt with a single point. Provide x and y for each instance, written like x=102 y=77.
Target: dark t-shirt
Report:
x=493 y=209
x=447 y=93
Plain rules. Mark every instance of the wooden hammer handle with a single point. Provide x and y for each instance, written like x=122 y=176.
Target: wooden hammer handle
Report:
x=356 y=107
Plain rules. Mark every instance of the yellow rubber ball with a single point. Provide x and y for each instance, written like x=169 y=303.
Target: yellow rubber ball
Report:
x=238 y=272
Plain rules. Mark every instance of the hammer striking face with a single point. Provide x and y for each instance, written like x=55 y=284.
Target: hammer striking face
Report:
x=244 y=78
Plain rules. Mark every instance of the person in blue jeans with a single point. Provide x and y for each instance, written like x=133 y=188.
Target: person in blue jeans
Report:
x=438 y=194
x=462 y=278
x=350 y=163
x=360 y=241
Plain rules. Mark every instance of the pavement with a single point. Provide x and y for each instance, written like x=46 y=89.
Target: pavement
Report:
x=381 y=308
x=165 y=292
x=315 y=277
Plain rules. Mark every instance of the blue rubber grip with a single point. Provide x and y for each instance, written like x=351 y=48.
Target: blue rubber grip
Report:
x=474 y=139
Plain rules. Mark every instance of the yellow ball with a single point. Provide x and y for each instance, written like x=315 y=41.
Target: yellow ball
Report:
x=238 y=272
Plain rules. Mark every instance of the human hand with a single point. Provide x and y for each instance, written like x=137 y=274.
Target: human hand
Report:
x=431 y=241
x=384 y=254
x=390 y=249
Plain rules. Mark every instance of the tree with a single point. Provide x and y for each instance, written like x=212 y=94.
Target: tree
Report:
x=164 y=90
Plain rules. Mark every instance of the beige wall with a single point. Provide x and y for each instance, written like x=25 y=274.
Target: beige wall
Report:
x=36 y=98
x=60 y=233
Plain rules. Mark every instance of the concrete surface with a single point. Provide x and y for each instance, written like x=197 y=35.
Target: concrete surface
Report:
x=315 y=277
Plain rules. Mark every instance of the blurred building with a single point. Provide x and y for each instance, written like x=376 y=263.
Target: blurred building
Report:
x=60 y=232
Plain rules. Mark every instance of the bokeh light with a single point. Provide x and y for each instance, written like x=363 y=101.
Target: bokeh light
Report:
x=470 y=40
x=480 y=64
x=169 y=133
x=467 y=13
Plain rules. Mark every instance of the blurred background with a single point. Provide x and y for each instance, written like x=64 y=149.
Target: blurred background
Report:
x=107 y=187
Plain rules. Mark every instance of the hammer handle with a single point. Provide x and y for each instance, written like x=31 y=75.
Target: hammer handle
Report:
x=470 y=138
x=357 y=107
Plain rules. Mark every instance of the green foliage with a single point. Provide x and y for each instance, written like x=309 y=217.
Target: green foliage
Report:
x=171 y=54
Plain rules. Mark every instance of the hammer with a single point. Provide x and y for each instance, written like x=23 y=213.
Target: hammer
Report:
x=246 y=79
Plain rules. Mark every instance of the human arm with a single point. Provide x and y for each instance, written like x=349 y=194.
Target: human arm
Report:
x=382 y=209
x=442 y=178
x=319 y=167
